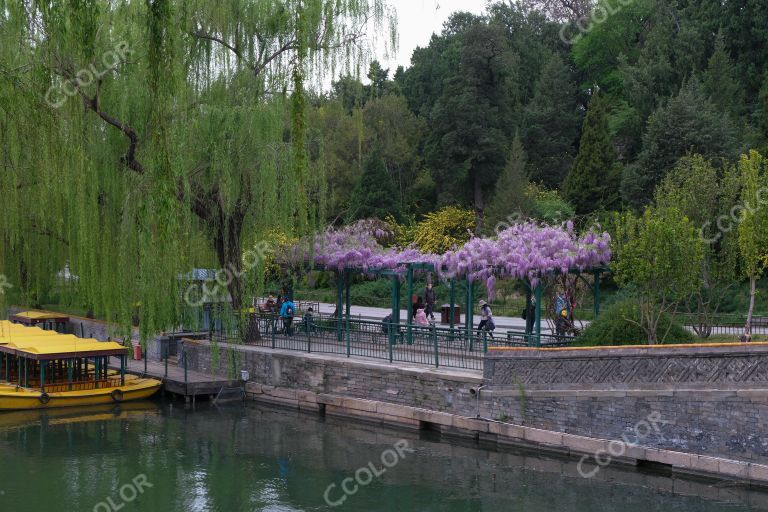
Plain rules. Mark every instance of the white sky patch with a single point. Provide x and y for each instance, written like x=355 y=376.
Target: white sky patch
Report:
x=417 y=20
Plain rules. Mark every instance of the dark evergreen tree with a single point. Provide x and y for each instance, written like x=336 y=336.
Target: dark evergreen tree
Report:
x=688 y=123
x=510 y=198
x=721 y=82
x=473 y=119
x=375 y=194
x=551 y=124
x=594 y=181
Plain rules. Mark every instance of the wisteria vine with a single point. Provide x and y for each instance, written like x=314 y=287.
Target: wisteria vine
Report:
x=522 y=251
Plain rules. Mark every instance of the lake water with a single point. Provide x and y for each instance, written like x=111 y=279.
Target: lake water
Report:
x=157 y=456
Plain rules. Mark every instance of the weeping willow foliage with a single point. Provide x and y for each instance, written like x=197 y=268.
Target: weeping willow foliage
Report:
x=139 y=139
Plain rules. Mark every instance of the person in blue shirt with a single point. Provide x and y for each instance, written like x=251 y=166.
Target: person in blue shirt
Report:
x=287 y=310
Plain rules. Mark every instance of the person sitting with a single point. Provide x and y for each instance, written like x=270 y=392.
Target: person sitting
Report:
x=270 y=305
x=287 y=310
x=308 y=320
x=421 y=318
x=419 y=305
x=385 y=323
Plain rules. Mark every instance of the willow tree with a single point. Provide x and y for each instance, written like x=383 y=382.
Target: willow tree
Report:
x=140 y=138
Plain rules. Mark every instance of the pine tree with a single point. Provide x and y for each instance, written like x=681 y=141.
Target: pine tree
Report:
x=509 y=198
x=375 y=194
x=720 y=80
x=551 y=125
x=688 y=123
x=593 y=183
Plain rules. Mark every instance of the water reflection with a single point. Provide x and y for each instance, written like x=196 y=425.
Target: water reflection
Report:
x=236 y=458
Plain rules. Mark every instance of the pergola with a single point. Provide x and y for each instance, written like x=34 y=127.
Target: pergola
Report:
x=343 y=296
x=529 y=252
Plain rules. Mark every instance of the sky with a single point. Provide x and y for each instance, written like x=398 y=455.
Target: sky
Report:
x=417 y=20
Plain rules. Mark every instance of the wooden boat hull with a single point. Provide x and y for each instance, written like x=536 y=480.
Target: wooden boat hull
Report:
x=14 y=399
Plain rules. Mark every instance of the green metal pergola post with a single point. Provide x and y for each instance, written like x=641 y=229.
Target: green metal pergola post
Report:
x=122 y=368
x=596 y=292
x=347 y=298
x=453 y=303
x=469 y=315
x=394 y=325
x=410 y=304
x=539 y=290
x=528 y=296
x=339 y=304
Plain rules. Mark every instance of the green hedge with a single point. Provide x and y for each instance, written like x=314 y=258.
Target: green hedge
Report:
x=613 y=328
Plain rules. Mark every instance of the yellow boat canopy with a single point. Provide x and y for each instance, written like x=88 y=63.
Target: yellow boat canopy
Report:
x=39 y=315
x=35 y=343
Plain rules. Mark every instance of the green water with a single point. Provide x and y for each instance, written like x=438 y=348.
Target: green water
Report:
x=247 y=458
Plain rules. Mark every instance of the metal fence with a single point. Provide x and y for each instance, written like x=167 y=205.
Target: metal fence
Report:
x=432 y=345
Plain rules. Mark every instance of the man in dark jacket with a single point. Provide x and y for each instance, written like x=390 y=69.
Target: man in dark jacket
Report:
x=429 y=298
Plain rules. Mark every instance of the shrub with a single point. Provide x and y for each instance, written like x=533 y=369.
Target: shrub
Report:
x=612 y=327
x=445 y=229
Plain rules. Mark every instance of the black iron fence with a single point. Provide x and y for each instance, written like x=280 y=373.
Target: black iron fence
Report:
x=428 y=345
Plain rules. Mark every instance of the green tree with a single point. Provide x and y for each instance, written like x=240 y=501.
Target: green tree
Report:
x=400 y=134
x=753 y=226
x=720 y=81
x=688 y=123
x=659 y=255
x=471 y=121
x=178 y=146
x=551 y=124
x=593 y=183
x=510 y=196
x=705 y=195
x=375 y=195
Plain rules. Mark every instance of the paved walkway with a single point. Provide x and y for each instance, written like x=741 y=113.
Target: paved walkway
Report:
x=371 y=313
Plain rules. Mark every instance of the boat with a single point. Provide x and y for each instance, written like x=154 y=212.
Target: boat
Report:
x=42 y=369
x=45 y=319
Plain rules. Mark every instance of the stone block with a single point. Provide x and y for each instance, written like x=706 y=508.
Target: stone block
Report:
x=253 y=388
x=473 y=424
x=399 y=411
x=329 y=399
x=546 y=437
x=438 y=418
x=733 y=468
x=584 y=445
x=758 y=473
x=306 y=396
x=507 y=431
x=287 y=393
x=359 y=404
x=677 y=459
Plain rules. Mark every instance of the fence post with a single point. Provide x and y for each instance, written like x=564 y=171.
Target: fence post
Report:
x=274 y=328
x=538 y=313
x=485 y=341
x=309 y=336
x=349 y=352
x=433 y=332
x=410 y=304
x=184 y=354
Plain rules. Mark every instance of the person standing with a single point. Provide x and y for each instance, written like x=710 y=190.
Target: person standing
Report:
x=429 y=299
x=287 y=310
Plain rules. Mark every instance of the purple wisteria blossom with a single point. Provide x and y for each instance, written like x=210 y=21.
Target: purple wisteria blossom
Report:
x=523 y=251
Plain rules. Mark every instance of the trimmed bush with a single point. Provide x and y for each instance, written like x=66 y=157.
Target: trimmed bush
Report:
x=613 y=328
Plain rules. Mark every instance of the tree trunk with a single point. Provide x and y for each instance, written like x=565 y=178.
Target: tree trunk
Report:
x=227 y=244
x=747 y=336
x=479 y=205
